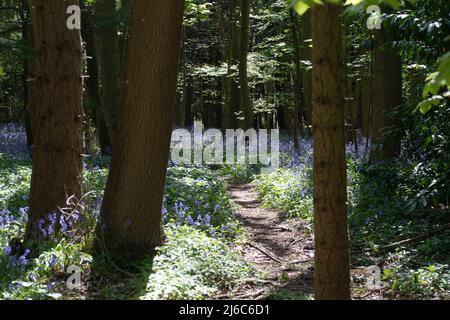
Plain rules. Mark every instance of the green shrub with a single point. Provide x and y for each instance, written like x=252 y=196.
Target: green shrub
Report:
x=192 y=265
x=289 y=190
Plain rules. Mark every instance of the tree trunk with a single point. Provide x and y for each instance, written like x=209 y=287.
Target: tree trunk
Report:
x=131 y=210
x=232 y=91
x=108 y=54
x=332 y=265
x=58 y=119
x=298 y=88
x=367 y=101
x=180 y=111
x=305 y=37
x=29 y=100
x=246 y=103
x=387 y=97
x=92 y=103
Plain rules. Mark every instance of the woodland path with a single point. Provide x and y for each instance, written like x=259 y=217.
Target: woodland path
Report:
x=281 y=251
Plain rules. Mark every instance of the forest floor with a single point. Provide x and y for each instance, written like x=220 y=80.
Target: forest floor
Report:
x=280 y=250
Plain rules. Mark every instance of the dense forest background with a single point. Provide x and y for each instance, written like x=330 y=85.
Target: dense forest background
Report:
x=86 y=118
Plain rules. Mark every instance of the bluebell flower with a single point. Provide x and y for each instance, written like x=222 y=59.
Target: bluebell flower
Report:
x=207 y=219
x=23 y=261
x=190 y=221
x=53 y=260
x=7 y=251
x=63 y=224
x=212 y=232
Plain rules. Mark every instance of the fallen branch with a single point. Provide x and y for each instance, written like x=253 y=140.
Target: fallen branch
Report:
x=408 y=241
x=264 y=252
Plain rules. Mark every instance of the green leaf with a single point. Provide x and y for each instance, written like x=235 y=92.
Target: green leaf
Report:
x=300 y=7
x=425 y=106
x=352 y=2
x=2 y=72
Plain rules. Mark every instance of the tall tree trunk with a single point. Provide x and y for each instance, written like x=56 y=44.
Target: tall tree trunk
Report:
x=298 y=88
x=246 y=103
x=180 y=105
x=92 y=103
x=108 y=54
x=125 y=7
x=58 y=120
x=27 y=75
x=131 y=210
x=305 y=36
x=367 y=99
x=387 y=96
x=232 y=90
x=332 y=265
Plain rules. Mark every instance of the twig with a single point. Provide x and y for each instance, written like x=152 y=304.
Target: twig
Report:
x=255 y=280
x=299 y=261
x=264 y=252
x=251 y=294
x=295 y=241
x=282 y=228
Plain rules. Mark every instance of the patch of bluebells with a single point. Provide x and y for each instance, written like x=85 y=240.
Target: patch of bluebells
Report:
x=184 y=216
x=66 y=224
x=13 y=141
x=15 y=261
x=12 y=224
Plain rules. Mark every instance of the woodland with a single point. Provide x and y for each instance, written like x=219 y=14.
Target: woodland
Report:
x=93 y=205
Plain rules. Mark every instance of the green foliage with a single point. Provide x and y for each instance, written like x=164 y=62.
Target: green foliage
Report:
x=430 y=282
x=301 y=6
x=435 y=82
x=15 y=177
x=44 y=276
x=199 y=193
x=240 y=173
x=193 y=266
x=288 y=190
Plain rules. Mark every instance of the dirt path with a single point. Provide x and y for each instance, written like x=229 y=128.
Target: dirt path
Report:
x=280 y=251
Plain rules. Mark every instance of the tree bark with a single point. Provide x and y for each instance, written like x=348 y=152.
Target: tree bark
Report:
x=58 y=118
x=246 y=103
x=28 y=74
x=332 y=265
x=387 y=97
x=298 y=88
x=305 y=36
x=108 y=54
x=131 y=210
x=232 y=90
x=92 y=102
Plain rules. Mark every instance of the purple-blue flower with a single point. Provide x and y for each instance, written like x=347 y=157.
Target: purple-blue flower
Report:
x=7 y=251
